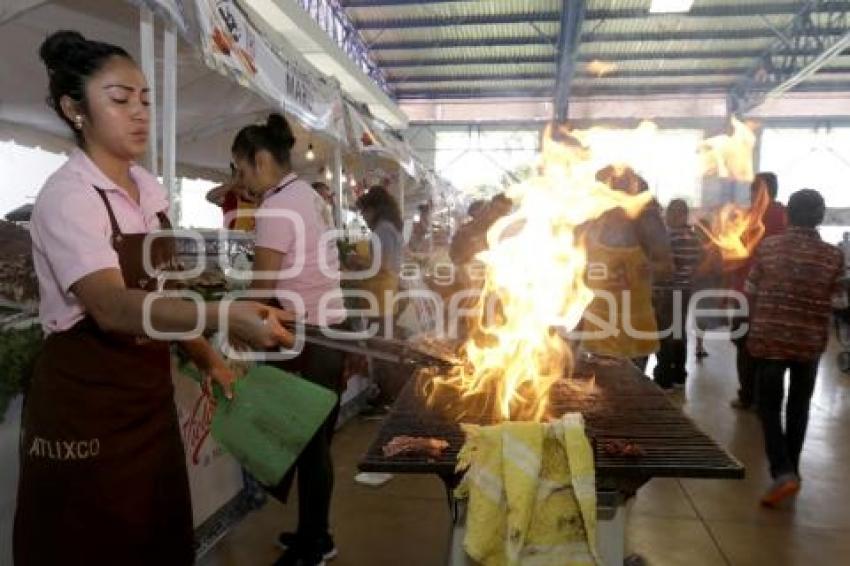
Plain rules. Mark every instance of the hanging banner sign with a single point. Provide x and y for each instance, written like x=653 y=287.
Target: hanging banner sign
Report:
x=234 y=47
x=369 y=137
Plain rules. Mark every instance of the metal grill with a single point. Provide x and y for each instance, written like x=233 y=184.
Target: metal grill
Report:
x=619 y=403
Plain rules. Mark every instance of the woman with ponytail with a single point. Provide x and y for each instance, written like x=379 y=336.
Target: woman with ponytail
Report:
x=297 y=264
x=103 y=472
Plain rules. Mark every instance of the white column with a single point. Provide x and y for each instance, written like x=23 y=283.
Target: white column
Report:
x=169 y=121
x=148 y=51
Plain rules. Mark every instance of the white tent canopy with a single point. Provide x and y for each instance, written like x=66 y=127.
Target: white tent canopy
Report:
x=210 y=107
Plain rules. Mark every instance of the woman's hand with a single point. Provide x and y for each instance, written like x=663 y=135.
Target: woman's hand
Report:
x=214 y=368
x=259 y=326
x=211 y=365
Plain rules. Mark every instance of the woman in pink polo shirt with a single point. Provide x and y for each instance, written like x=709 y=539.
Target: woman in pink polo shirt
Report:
x=297 y=263
x=103 y=477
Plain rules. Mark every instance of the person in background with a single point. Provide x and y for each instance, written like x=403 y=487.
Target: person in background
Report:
x=475 y=208
x=468 y=241
x=671 y=298
x=624 y=257
x=471 y=237
x=708 y=277
x=261 y=154
x=844 y=246
x=421 y=229
x=102 y=470
x=236 y=203
x=383 y=216
x=327 y=195
x=775 y=221
x=324 y=191
x=794 y=281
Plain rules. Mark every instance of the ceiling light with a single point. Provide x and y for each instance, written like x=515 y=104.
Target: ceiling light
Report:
x=601 y=68
x=310 y=154
x=670 y=6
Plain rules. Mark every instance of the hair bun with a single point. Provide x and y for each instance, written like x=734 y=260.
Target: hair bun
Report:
x=279 y=129
x=60 y=46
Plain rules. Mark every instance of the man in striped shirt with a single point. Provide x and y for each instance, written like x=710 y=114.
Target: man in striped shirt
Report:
x=793 y=281
x=775 y=221
x=671 y=297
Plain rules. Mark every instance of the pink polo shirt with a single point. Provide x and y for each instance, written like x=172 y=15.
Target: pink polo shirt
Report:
x=297 y=222
x=71 y=232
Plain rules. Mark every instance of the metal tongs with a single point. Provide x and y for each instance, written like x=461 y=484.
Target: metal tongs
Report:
x=390 y=350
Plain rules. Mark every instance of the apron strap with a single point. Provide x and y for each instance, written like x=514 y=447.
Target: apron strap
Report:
x=283 y=186
x=116 y=229
x=164 y=221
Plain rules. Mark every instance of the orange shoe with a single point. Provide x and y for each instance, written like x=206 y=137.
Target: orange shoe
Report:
x=782 y=489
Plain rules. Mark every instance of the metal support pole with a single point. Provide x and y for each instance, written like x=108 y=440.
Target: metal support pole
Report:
x=401 y=183
x=757 y=150
x=148 y=53
x=169 y=121
x=572 y=18
x=340 y=195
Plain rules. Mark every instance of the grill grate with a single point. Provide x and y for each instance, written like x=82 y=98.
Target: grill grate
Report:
x=620 y=403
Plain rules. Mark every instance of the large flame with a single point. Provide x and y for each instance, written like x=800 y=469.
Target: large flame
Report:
x=534 y=282
x=535 y=266
x=601 y=68
x=735 y=230
x=730 y=156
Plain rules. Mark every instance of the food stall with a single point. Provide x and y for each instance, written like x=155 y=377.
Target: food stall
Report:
x=229 y=75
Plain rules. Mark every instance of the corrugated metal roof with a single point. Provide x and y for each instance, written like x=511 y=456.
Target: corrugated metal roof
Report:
x=511 y=84
x=660 y=49
x=458 y=54
x=411 y=73
x=466 y=48
x=449 y=33
x=450 y=10
x=672 y=24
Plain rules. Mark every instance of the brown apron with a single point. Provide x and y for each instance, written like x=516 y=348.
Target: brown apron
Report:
x=103 y=474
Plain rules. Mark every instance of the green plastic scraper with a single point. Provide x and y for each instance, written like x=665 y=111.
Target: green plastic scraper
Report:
x=269 y=421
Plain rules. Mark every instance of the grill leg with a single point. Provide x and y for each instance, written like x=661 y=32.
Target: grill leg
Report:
x=611 y=527
x=456 y=555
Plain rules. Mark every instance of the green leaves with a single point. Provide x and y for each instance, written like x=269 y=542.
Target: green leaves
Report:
x=18 y=351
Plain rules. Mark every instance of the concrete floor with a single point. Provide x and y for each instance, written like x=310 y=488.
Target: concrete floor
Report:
x=671 y=523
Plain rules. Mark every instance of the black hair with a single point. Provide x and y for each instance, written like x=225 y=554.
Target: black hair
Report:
x=623 y=179
x=275 y=136
x=72 y=60
x=679 y=203
x=383 y=203
x=475 y=207
x=806 y=208
x=770 y=181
